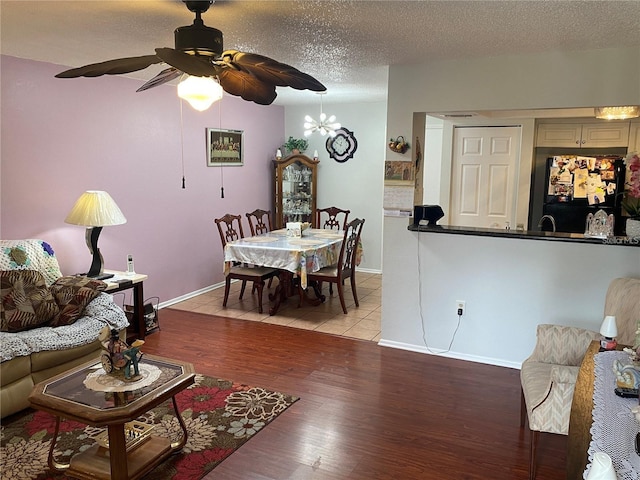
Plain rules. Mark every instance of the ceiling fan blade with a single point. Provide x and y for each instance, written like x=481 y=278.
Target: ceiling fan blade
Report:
x=271 y=71
x=164 y=76
x=247 y=86
x=196 y=65
x=111 y=67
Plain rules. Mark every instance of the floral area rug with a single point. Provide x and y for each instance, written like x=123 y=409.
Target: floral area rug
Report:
x=220 y=416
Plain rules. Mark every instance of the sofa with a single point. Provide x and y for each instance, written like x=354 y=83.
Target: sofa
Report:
x=48 y=322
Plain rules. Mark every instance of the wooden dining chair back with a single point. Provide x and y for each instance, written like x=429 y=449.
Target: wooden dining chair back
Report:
x=230 y=229
x=260 y=221
x=332 y=218
x=346 y=266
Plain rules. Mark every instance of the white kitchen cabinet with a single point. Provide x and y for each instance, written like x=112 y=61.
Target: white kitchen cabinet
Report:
x=634 y=137
x=583 y=135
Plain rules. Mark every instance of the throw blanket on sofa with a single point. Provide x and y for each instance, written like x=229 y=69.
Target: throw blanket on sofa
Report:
x=83 y=331
x=30 y=277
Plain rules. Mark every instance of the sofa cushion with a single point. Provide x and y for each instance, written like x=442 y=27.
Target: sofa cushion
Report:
x=26 y=300
x=14 y=370
x=73 y=294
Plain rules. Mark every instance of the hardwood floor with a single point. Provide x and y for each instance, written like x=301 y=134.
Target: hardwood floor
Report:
x=365 y=411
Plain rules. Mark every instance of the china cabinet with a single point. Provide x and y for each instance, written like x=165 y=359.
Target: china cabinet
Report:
x=296 y=179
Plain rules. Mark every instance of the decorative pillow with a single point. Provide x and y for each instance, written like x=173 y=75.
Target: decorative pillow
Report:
x=26 y=300
x=30 y=254
x=72 y=294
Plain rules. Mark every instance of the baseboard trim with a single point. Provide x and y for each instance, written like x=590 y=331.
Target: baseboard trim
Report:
x=369 y=270
x=460 y=356
x=187 y=296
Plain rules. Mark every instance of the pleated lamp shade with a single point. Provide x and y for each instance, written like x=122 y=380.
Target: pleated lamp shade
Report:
x=95 y=208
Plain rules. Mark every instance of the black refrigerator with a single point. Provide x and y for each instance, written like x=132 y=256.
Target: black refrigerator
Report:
x=576 y=185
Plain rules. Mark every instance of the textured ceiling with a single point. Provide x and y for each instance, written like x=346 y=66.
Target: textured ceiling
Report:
x=347 y=45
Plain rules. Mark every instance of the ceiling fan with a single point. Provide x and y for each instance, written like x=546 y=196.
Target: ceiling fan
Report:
x=198 y=52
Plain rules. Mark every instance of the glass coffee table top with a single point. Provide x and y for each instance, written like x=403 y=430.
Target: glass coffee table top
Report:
x=72 y=387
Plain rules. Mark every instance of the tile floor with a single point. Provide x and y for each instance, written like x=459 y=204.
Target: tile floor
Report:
x=361 y=322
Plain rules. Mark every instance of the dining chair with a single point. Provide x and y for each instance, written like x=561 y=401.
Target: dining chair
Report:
x=230 y=229
x=329 y=218
x=259 y=221
x=346 y=266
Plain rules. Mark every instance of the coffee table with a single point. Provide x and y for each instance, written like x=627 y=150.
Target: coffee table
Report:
x=67 y=396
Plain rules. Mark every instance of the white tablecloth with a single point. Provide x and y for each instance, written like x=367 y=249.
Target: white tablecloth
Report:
x=317 y=249
x=614 y=427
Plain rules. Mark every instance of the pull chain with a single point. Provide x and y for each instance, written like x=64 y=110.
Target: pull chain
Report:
x=182 y=142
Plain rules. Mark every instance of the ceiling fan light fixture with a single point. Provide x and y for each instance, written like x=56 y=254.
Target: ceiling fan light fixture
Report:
x=200 y=92
x=617 y=113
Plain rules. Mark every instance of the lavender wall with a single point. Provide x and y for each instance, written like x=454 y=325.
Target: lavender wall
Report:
x=62 y=137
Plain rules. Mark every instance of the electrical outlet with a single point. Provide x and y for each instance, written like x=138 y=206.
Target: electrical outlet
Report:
x=460 y=304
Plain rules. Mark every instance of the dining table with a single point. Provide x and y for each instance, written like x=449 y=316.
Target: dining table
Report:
x=294 y=257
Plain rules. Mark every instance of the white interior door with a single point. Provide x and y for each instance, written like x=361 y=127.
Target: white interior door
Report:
x=483 y=177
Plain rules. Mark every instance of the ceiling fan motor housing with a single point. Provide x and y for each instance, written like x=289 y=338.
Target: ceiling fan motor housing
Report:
x=198 y=39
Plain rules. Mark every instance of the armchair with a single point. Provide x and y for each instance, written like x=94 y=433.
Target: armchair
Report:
x=548 y=379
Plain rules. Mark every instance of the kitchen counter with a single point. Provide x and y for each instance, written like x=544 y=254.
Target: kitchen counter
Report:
x=527 y=234
x=510 y=282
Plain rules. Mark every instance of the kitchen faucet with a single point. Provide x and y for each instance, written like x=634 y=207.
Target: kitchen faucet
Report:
x=549 y=217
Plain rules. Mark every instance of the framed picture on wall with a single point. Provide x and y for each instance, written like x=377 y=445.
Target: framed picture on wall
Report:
x=224 y=147
x=399 y=172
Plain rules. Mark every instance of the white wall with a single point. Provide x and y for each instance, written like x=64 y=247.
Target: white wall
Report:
x=546 y=80
x=356 y=184
x=551 y=281
x=509 y=285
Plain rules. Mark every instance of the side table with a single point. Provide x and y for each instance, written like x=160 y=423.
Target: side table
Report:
x=581 y=417
x=124 y=281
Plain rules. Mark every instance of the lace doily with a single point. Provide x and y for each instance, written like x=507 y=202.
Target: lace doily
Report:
x=101 y=381
x=614 y=426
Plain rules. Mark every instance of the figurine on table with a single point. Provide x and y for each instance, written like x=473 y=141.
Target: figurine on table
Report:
x=133 y=355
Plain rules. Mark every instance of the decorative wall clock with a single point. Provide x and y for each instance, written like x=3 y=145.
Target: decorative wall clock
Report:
x=342 y=147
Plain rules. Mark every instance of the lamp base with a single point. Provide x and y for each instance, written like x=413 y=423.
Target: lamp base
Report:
x=100 y=276
x=608 y=344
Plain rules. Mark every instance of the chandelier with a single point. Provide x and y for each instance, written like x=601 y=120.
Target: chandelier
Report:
x=324 y=125
x=617 y=113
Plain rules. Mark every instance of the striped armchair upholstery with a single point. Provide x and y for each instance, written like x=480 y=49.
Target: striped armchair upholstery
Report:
x=548 y=379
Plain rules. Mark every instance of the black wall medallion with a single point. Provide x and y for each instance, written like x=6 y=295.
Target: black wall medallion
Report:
x=342 y=147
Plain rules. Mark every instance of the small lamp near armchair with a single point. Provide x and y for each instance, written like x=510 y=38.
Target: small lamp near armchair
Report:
x=609 y=330
x=95 y=209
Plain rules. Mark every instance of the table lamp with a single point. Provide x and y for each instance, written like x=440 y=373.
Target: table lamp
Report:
x=602 y=468
x=95 y=209
x=609 y=330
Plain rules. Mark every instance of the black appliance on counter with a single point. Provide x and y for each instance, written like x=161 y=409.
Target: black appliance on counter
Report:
x=427 y=214
x=576 y=185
